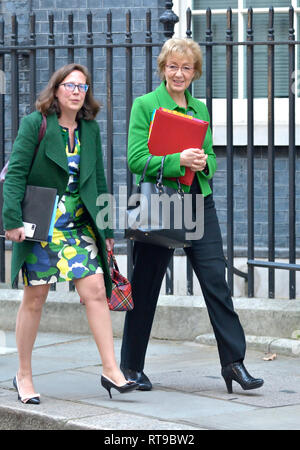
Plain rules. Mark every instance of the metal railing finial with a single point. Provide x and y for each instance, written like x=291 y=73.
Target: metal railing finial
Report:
x=169 y=19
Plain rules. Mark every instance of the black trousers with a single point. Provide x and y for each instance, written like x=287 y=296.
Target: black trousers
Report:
x=207 y=259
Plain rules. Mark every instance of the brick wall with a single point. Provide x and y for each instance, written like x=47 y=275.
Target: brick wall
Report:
x=260 y=199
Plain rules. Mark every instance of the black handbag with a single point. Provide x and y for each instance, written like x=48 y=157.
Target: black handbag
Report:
x=158 y=214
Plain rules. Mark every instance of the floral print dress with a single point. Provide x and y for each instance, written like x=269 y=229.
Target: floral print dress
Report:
x=72 y=252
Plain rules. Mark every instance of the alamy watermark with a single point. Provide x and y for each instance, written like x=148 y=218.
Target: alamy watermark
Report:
x=167 y=211
x=2 y=82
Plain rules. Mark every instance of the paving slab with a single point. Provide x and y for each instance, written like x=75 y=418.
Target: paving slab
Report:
x=172 y=405
x=189 y=392
x=282 y=418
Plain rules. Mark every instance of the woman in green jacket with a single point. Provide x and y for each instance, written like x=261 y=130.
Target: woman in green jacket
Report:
x=69 y=159
x=179 y=63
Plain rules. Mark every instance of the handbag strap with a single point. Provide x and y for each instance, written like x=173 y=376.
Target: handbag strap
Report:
x=145 y=170
x=160 y=174
x=111 y=257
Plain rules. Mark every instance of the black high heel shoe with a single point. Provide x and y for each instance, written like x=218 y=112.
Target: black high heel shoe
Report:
x=237 y=371
x=30 y=399
x=108 y=384
x=144 y=384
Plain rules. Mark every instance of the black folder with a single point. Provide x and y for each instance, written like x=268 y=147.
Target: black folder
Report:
x=38 y=212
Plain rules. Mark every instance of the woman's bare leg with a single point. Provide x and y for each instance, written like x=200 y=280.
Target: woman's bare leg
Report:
x=27 y=324
x=92 y=291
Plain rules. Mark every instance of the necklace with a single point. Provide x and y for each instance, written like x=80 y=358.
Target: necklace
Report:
x=69 y=127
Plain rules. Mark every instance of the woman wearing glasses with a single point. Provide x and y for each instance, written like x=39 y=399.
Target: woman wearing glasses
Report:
x=179 y=63
x=69 y=159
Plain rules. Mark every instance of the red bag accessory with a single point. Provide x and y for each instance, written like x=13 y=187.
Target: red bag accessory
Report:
x=121 y=296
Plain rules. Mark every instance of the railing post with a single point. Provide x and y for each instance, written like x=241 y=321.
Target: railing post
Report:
x=32 y=63
x=109 y=100
x=208 y=47
x=229 y=95
x=90 y=50
x=292 y=166
x=71 y=38
x=14 y=78
x=271 y=155
x=2 y=147
x=250 y=152
x=128 y=51
x=148 y=52
x=2 y=93
x=51 y=58
x=51 y=43
x=169 y=19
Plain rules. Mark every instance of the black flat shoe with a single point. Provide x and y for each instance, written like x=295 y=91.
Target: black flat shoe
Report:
x=144 y=384
x=33 y=399
x=108 y=384
x=238 y=372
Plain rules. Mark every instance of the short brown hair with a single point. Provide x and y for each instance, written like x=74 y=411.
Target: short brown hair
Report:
x=181 y=46
x=47 y=102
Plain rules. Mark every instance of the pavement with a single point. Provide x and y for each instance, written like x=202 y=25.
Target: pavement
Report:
x=188 y=396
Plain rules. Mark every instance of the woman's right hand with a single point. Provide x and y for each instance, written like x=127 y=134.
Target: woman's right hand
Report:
x=16 y=234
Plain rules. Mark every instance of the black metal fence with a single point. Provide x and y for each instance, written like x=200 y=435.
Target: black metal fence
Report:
x=14 y=49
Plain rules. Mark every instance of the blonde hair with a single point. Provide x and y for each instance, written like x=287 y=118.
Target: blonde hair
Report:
x=181 y=46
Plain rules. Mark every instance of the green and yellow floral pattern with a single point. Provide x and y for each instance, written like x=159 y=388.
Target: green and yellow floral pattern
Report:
x=72 y=252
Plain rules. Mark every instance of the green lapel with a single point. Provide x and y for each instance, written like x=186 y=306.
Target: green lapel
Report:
x=55 y=147
x=87 y=150
x=54 y=144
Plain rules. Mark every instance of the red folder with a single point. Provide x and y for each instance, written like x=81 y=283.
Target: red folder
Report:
x=173 y=132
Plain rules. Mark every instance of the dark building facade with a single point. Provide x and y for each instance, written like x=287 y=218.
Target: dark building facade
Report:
x=75 y=29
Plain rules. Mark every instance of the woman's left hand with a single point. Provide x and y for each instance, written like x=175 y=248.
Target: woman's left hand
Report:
x=199 y=163
x=109 y=244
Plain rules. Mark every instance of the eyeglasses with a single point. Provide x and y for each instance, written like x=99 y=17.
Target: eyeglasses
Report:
x=70 y=87
x=187 y=70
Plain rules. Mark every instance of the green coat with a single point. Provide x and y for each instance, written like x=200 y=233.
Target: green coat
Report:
x=138 y=151
x=50 y=169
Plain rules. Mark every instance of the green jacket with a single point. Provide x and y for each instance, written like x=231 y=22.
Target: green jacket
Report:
x=50 y=169
x=138 y=151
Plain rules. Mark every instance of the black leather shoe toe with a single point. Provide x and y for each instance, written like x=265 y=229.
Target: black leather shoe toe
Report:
x=139 y=377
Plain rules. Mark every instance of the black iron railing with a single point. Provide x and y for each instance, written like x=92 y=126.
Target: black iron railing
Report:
x=10 y=53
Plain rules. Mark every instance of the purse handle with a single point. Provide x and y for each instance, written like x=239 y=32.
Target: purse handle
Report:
x=145 y=170
x=111 y=257
x=159 y=178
